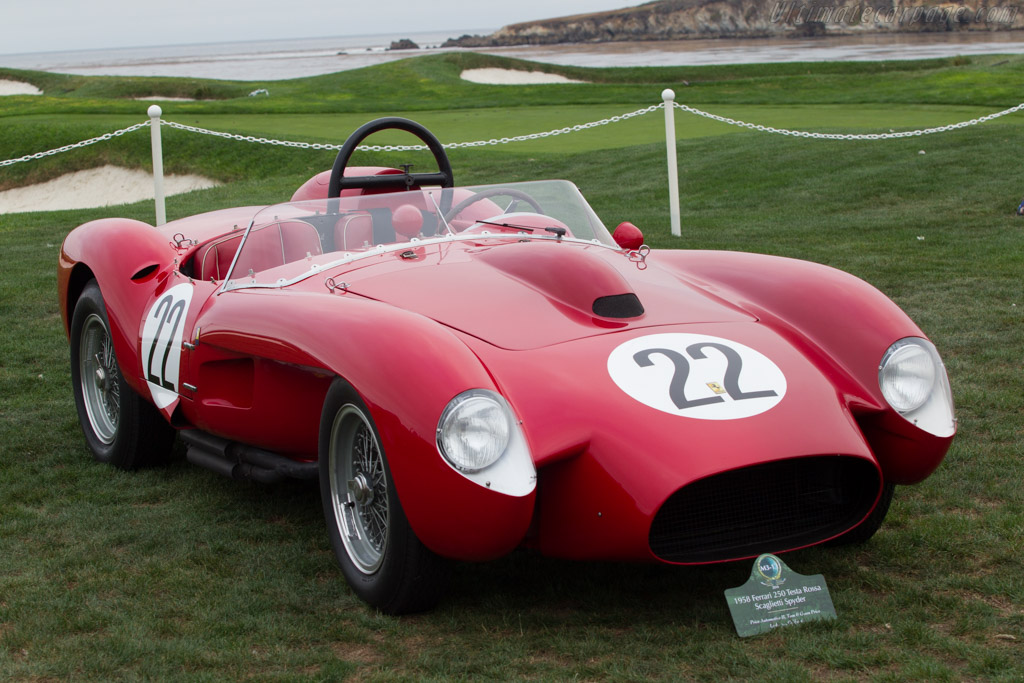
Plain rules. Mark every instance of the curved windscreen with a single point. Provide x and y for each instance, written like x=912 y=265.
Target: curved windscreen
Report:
x=286 y=243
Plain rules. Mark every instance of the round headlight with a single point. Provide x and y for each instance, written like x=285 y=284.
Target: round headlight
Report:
x=907 y=375
x=474 y=430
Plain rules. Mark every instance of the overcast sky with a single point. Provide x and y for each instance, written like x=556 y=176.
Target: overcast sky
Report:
x=57 y=25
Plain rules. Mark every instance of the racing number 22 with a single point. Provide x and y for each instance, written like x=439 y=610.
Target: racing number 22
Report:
x=677 y=388
x=168 y=312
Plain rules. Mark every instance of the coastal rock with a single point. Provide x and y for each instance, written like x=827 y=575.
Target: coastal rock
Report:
x=683 y=19
x=403 y=44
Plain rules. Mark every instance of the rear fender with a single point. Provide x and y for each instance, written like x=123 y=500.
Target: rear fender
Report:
x=128 y=259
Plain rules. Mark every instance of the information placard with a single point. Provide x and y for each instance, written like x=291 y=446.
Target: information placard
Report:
x=776 y=596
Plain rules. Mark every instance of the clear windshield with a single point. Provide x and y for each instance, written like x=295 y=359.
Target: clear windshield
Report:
x=288 y=242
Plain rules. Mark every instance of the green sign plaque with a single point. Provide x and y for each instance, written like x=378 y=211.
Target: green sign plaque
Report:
x=777 y=596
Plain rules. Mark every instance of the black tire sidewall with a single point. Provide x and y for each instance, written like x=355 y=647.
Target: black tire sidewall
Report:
x=384 y=587
x=143 y=438
x=872 y=523
x=89 y=303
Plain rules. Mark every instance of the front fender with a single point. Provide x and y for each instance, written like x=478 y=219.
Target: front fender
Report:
x=843 y=324
x=406 y=368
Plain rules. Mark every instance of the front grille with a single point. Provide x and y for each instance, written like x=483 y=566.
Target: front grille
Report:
x=766 y=508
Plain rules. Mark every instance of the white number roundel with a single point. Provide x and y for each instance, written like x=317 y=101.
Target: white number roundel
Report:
x=697 y=376
x=162 y=335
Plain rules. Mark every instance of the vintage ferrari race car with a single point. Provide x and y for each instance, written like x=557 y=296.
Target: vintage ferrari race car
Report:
x=468 y=370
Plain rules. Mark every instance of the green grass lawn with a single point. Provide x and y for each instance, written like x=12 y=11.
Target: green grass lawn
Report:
x=178 y=574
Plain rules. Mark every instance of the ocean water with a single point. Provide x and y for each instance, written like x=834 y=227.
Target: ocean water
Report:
x=256 y=60
x=282 y=59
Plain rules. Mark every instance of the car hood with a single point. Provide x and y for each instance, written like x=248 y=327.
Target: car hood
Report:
x=525 y=295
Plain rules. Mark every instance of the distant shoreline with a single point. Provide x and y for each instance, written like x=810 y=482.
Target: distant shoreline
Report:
x=787 y=19
x=279 y=60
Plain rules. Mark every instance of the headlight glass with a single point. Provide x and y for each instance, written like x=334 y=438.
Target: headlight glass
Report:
x=913 y=381
x=474 y=430
x=907 y=376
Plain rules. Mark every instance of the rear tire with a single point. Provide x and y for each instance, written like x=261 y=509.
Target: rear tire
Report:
x=120 y=427
x=382 y=559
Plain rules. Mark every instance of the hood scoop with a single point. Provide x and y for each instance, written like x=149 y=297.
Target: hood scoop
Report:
x=618 y=306
x=569 y=275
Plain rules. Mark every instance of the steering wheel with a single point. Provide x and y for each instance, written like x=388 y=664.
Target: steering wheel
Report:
x=491 y=192
x=407 y=181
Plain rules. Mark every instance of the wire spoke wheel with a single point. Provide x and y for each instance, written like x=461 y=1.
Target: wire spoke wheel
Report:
x=359 y=489
x=100 y=379
x=120 y=427
x=380 y=556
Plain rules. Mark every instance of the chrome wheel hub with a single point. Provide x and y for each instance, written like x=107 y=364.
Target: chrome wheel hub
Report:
x=359 y=490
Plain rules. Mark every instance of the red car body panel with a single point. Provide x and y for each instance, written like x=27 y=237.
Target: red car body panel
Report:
x=413 y=329
x=551 y=288
x=597 y=502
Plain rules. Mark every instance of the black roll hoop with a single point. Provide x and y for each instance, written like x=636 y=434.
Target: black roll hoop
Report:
x=339 y=182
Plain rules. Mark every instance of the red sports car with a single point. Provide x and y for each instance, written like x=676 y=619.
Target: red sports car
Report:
x=468 y=370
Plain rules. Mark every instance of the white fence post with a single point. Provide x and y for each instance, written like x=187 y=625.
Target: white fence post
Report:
x=673 y=169
x=158 y=163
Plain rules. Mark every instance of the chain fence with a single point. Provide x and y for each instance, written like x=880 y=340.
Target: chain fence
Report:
x=519 y=138
x=848 y=136
x=156 y=123
x=77 y=145
x=413 y=148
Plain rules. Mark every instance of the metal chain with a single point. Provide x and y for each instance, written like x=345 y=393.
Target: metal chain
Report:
x=249 y=138
x=552 y=133
x=522 y=138
x=412 y=148
x=849 y=136
x=77 y=145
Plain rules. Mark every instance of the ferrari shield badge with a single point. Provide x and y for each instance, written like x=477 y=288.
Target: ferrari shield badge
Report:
x=697 y=376
x=775 y=596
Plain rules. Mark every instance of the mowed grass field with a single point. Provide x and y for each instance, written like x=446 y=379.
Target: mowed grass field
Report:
x=178 y=574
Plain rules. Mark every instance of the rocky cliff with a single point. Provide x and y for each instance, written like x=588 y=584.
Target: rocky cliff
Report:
x=683 y=19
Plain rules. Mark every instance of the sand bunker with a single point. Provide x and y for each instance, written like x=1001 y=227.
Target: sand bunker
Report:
x=105 y=186
x=18 y=88
x=512 y=77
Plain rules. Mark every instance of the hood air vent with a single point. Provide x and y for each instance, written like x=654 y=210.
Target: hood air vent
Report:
x=618 y=306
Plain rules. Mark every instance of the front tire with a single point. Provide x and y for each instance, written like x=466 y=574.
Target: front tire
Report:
x=120 y=427
x=866 y=529
x=382 y=559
